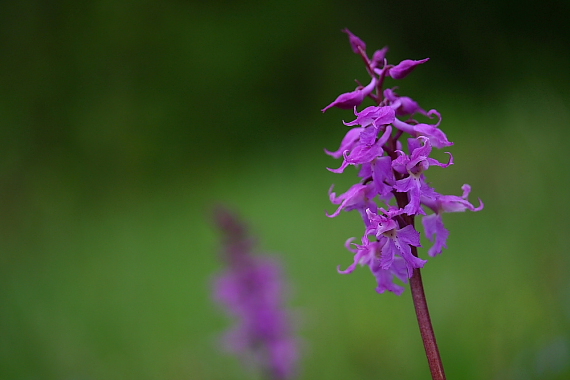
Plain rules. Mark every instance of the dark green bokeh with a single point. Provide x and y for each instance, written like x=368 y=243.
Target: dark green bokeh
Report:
x=122 y=123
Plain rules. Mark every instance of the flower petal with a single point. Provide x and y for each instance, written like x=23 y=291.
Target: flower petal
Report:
x=355 y=43
x=435 y=232
x=402 y=69
x=352 y=99
x=347 y=143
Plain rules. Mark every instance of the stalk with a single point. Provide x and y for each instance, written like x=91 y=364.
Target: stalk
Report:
x=424 y=322
x=421 y=306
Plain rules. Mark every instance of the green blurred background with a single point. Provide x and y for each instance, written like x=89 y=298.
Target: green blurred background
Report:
x=122 y=123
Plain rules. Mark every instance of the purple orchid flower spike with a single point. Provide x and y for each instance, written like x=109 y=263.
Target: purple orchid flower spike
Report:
x=252 y=291
x=392 y=187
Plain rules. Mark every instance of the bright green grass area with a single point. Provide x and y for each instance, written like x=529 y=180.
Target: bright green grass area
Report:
x=120 y=289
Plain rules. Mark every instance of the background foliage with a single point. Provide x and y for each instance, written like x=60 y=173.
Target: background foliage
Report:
x=123 y=122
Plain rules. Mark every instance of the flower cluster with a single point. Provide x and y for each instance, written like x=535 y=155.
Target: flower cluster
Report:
x=252 y=291
x=391 y=174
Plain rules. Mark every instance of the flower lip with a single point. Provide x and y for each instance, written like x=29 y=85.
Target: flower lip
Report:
x=379 y=115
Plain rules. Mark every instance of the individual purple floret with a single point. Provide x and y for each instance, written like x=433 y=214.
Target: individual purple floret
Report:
x=354 y=98
x=393 y=188
x=433 y=224
x=368 y=254
x=251 y=290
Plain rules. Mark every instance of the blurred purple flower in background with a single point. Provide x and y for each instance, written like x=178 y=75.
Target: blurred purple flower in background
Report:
x=252 y=291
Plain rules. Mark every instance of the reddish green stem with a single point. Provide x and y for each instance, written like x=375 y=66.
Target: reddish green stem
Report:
x=420 y=304
x=424 y=322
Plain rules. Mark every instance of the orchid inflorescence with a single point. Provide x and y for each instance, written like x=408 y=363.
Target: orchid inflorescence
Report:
x=391 y=175
x=252 y=290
